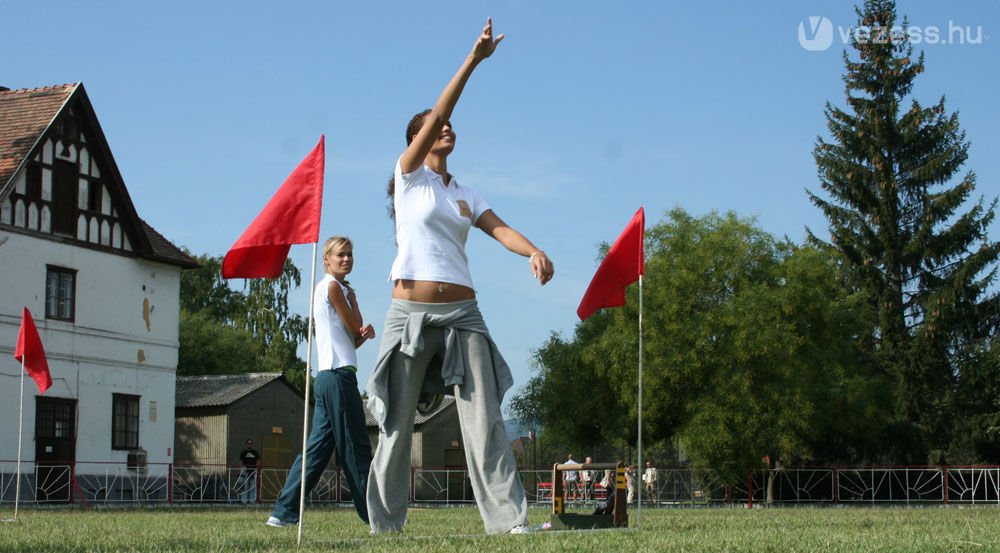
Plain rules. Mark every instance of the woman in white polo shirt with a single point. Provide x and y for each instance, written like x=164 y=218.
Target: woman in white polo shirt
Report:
x=435 y=340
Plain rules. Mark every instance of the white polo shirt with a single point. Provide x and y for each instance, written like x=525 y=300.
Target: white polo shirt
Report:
x=432 y=225
x=334 y=344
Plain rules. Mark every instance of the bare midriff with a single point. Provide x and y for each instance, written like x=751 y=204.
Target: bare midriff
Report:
x=427 y=291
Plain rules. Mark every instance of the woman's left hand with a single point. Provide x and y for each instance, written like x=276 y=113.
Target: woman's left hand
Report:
x=368 y=332
x=541 y=267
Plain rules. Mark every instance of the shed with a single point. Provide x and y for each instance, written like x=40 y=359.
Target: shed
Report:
x=215 y=414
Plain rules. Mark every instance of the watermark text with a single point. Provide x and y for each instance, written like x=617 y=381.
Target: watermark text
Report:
x=817 y=33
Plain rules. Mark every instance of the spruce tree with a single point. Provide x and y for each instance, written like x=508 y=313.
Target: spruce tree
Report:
x=910 y=228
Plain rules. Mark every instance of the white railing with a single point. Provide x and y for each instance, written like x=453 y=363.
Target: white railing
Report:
x=118 y=483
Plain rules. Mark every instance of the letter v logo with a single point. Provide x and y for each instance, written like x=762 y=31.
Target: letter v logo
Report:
x=819 y=36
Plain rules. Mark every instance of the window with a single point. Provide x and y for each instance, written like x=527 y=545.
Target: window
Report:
x=60 y=294
x=33 y=183
x=94 y=196
x=65 y=187
x=124 y=422
x=54 y=418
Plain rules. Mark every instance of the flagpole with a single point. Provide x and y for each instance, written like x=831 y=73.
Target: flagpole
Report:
x=638 y=515
x=20 y=431
x=305 y=408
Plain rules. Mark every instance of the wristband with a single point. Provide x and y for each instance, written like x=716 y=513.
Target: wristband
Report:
x=532 y=256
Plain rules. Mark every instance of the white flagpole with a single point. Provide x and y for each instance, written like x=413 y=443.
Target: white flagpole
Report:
x=640 y=485
x=20 y=431
x=305 y=408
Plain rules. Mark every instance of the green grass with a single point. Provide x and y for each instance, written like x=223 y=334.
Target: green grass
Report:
x=827 y=530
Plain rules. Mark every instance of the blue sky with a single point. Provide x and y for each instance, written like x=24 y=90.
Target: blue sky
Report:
x=586 y=112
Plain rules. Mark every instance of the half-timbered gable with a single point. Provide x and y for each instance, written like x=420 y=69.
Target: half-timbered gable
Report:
x=58 y=177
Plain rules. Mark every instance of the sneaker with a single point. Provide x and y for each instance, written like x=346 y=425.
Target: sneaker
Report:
x=277 y=522
x=520 y=529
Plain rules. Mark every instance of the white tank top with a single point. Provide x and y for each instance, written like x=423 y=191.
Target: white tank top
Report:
x=334 y=344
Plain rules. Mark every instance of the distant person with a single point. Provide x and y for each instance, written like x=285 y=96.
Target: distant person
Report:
x=435 y=339
x=649 y=481
x=247 y=482
x=571 y=479
x=608 y=481
x=630 y=484
x=339 y=418
x=588 y=478
x=608 y=484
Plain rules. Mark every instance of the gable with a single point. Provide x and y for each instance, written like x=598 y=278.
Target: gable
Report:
x=59 y=180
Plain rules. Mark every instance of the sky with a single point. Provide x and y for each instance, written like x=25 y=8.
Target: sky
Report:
x=587 y=111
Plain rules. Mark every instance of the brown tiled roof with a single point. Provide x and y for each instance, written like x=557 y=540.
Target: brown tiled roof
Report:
x=24 y=116
x=164 y=250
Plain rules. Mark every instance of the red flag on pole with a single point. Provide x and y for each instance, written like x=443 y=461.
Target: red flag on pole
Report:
x=622 y=266
x=30 y=352
x=290 y=217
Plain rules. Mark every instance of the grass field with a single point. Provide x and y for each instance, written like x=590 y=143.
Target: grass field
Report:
x=828 y=530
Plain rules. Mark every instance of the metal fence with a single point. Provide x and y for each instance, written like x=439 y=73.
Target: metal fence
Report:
x=119 y=484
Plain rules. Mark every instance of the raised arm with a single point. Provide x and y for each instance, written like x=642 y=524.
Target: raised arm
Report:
x=415 y=153
x=541 y=266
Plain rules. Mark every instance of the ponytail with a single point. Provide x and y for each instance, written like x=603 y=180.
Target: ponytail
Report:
x=390 y=192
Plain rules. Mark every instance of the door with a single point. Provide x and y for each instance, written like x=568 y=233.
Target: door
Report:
x=277 y=452
x=55 y=448
x=454 y=461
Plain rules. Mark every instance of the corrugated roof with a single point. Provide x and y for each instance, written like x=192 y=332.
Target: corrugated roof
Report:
x=219 y=390
x=419 y=418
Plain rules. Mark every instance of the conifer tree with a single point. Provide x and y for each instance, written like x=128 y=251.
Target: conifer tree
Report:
x=910 y=227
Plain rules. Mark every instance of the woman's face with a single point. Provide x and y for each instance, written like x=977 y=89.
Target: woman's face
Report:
x=340 y=261
x=445 y=141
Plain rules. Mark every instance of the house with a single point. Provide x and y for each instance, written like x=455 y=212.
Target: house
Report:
x=102 y=286
x=216 y=414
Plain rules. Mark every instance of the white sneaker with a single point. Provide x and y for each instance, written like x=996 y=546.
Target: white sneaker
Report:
x=520 y=529
x=277 y=522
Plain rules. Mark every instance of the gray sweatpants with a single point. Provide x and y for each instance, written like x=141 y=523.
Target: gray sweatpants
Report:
x=491 y=465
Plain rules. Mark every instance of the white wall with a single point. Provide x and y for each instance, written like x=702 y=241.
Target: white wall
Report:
x=124 y=340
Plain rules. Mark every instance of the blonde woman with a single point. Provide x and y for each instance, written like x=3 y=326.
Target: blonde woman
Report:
x=339 y=419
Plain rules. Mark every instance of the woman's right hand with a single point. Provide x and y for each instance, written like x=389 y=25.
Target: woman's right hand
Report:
x=485 y=45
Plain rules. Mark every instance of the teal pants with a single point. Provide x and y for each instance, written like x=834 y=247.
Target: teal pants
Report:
x=338 y=425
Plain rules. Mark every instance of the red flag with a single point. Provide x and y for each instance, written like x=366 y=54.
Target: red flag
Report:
x=30 y=352
x=622 y=266
x=290 y=217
